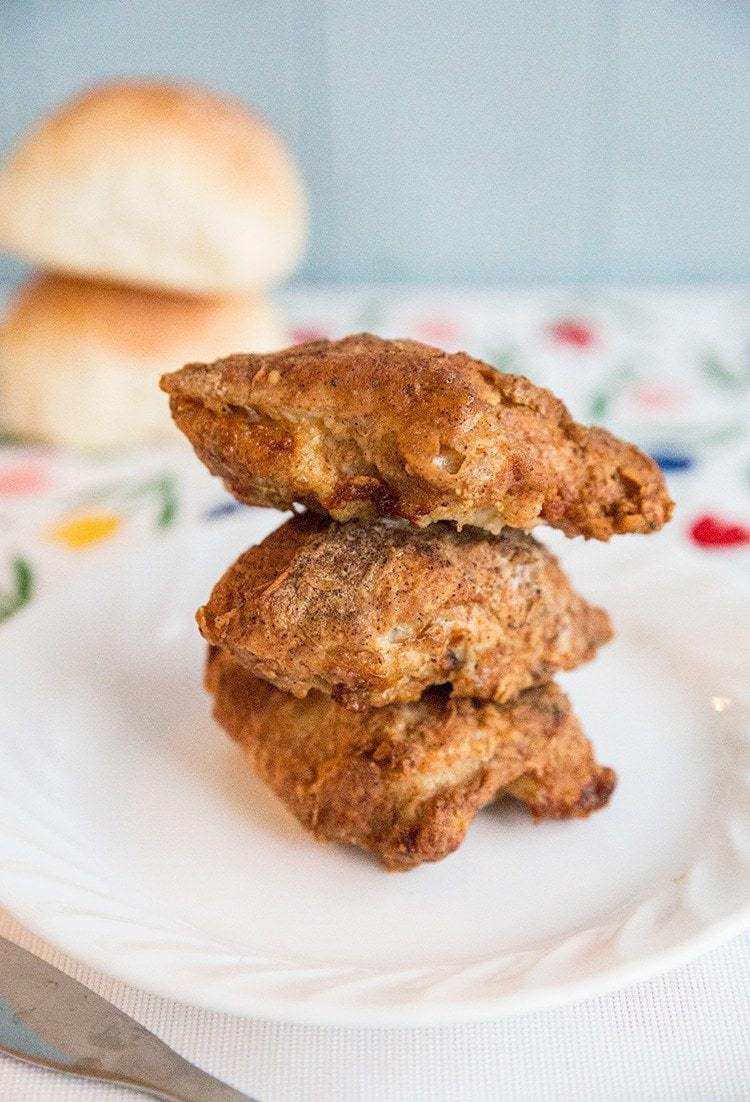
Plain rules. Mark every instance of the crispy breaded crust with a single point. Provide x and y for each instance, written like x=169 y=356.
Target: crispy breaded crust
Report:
x=374 y=614
x=364 y=427
x=405 y=781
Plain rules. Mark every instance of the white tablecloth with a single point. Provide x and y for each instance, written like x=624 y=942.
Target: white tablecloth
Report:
x=669 y=369
x=684 y=1036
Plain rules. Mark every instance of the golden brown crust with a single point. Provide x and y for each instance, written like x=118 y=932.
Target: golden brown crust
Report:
x=156 y=184
x=374 y=614
x=79 y=361
x=364 y=427
x=78 y=317
x=405 y=781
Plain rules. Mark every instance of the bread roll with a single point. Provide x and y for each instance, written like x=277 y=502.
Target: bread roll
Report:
x=80 y=362
x=156 y=185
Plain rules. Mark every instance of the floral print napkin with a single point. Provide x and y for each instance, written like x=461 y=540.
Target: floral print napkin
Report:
x=669 y=369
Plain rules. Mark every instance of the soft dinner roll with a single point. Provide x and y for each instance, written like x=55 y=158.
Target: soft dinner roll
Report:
x=157 y=185
x=80 y=362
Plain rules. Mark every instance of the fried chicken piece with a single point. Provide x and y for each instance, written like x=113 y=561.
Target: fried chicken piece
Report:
x=406 y=781
x=364 y=428
x=374 y=614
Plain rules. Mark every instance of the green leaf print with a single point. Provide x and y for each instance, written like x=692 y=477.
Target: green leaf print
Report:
x=371 y=315
x=9 y=439
x=598 y=405
x=723 y=377
x=504 y=358
x=164 y=489
x=21 y=590
x=601 y=400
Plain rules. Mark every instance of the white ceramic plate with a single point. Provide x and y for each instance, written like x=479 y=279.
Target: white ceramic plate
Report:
x=132 y=836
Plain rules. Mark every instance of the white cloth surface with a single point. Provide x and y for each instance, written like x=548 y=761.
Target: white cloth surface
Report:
x=683 y=1037
x=672 y=371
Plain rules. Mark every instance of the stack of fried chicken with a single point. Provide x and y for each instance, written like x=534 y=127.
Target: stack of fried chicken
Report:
x=386 y=658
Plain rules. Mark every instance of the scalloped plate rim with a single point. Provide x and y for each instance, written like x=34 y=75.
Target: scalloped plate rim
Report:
x=406 y=1013
x=402 y=1008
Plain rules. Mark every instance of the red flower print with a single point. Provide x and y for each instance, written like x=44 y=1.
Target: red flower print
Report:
x=657 y=396
x=577 y=334
x=24 y=478
x=712 y=531
x=437 y=331
x=307 y=333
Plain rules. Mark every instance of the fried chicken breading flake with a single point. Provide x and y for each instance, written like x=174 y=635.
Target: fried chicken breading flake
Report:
x=365 y=428
x=406 y=781
x=374 y=614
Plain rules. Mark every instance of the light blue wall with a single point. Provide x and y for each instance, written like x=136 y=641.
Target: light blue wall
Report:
x=483 y=141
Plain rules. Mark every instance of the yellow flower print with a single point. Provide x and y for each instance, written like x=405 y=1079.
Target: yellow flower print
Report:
x=80 y=531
